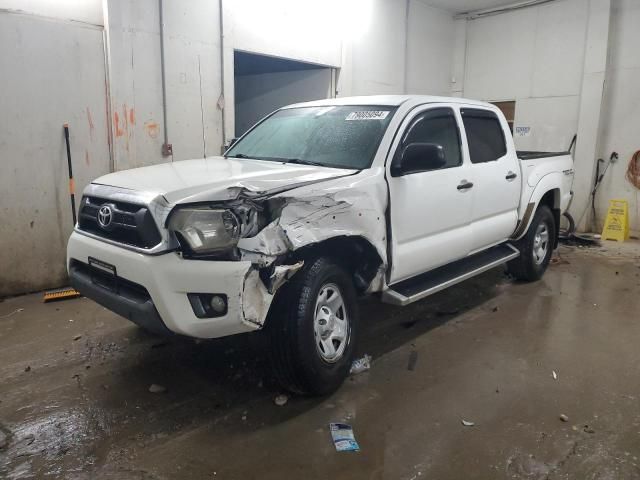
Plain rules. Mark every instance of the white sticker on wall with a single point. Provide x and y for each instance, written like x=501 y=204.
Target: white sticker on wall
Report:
x=523 y=131
x=368 y=115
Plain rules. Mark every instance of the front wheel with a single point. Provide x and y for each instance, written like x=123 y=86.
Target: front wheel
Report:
x=536 y=247
x=312 y=328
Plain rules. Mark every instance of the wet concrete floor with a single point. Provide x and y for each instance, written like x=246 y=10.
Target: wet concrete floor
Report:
x=75 y=400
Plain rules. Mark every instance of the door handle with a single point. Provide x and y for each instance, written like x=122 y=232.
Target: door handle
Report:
x=464 y=185
x=511 y=175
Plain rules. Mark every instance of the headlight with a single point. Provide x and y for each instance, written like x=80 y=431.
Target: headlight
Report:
x=205 y=229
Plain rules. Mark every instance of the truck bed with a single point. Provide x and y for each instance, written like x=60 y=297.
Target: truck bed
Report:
x=532 y=155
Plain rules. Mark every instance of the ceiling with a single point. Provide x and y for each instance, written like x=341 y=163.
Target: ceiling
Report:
x=460 y=6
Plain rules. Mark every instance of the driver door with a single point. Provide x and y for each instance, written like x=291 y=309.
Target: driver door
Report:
x=430 y=209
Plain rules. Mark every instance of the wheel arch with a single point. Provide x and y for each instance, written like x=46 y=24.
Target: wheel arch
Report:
x=547 y=192
x=355 y=253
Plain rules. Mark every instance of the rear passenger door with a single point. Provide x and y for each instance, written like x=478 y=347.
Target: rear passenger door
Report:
x=430 y=209
x=496 y=177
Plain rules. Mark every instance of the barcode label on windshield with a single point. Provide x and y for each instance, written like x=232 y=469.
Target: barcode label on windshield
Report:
x=368 y=115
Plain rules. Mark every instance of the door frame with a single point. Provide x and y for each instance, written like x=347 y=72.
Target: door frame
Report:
x=408 y=117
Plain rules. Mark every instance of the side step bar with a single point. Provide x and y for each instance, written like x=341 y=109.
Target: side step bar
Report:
x=425 y=284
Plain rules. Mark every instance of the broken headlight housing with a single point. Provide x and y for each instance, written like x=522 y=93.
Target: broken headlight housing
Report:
x=204 y=229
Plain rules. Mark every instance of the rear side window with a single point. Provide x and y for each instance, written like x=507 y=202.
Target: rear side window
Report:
x=484 y=135
x=438 y=126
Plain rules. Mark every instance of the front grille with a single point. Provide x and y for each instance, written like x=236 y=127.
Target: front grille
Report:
x=130 y=224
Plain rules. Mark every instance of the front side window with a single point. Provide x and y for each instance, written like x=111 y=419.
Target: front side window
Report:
x=437 y=126
x=331 y=136
x=485 y=136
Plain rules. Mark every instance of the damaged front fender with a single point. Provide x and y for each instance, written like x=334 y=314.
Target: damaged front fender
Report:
x=345 y=207
x=256 y=299
x=257 y=296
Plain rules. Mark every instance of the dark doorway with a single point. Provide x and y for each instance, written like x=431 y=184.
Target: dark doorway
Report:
x=264 y=84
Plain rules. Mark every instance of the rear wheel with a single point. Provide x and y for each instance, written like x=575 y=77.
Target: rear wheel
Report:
x=312 y=328
x=536 y=247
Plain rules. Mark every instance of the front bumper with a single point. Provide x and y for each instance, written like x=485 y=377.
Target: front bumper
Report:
x=167 y=279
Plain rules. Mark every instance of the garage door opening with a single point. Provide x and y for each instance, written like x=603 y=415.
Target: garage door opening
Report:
x=264 y=84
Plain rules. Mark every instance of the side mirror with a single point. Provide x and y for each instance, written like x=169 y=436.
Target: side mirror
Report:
x=418 y=157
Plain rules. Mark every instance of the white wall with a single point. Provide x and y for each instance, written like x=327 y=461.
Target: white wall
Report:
x=306 y=31
x=52 y=73
x=398 y=47
x=534 y=56
x=309 y=31
x=377 y=55
x=429 y=50
x=260 y=94
x=87 y=11
x=136 y=96
x=366 y=42
x=553 y=60
x=192 y=61
x=620 y=125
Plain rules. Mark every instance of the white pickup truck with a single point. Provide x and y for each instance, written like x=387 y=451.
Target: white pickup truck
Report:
x=398 y=196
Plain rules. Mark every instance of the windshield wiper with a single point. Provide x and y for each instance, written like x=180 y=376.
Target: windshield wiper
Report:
x=300 y=161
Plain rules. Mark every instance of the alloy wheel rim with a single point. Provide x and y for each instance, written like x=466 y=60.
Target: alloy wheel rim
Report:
x=540 y=243
x=331 y=323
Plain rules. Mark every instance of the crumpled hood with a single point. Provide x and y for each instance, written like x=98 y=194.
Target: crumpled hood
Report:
x=216 y=178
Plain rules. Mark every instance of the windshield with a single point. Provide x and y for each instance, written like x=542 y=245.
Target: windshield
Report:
x=333 y=136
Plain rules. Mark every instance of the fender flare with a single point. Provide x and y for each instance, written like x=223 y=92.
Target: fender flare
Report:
x=551 y=182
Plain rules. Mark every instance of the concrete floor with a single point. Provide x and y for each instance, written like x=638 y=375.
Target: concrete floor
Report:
x=80 y=407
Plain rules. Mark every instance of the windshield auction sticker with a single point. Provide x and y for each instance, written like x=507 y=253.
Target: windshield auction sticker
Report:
x=368 y=115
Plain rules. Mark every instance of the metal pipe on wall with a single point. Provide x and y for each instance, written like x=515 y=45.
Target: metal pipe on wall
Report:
x=407 y=6
x=106 y=39
x=167 y=149
x=221 y=99
x=473 y=14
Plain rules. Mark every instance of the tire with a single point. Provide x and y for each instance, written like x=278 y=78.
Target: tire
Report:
x=536 y=247
x=302 y=328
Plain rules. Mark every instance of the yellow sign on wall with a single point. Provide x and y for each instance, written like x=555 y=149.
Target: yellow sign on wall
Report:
x=616 y=226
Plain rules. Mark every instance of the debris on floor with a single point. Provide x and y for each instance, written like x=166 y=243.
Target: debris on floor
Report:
x=281 y=400
x=564 y=418
x=554 y=374
x=155 y=388
x=27 y=440
x=558 y=260
x=413 y=359
x=361 y=365
x=27 y=368
x=77 y=337
x=343 y=438
x=60 y=294
x=467 y=423
x=107 y=423
x=12 y=313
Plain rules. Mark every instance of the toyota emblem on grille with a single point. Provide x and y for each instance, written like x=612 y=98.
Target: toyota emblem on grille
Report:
x=105 y=216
